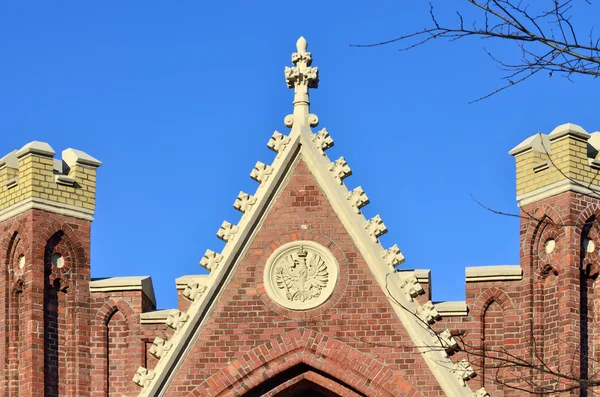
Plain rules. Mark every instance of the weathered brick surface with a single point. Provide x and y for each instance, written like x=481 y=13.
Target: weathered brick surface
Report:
x=57 y=339
x=248 y=335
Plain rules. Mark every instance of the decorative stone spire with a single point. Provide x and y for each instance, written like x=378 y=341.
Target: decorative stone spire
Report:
x=301 y=77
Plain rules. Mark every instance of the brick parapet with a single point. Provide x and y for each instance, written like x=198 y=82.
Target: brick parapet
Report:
x=32 y=178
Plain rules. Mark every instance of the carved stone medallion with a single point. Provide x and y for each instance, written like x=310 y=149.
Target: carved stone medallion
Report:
x=301 y=275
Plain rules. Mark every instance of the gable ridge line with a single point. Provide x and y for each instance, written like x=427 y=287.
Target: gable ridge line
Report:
x=382 y=266
x=365 y=233
x=204 y=293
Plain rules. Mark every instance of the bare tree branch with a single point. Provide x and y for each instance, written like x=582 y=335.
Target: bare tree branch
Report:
x=547 y=40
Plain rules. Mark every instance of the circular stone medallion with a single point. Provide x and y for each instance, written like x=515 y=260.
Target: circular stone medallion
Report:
x=301 y=275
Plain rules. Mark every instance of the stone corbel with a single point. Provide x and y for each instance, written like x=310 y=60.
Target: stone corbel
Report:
x=194 y=291
x=375 y=228
x=278 y=142
x=227 y=231
x=176 y=319
x=357 y=199
x=211 y=260
x=392 y=257
x=160 y=347
x=244 y=202
x=427 y=313
x=261 y=172
x=463 y=371
x=143 y=377
x=340 y=169
x=322 y=140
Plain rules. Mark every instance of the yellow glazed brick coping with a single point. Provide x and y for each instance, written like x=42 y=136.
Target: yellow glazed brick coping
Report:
x=566 y=153
x=32 y=173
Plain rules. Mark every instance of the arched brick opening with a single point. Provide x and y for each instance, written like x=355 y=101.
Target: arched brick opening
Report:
x=111 y=343
x=269 y=367
x=311 y=383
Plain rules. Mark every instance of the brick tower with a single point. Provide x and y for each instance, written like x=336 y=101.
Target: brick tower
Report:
x=558 y=190
x=46 y=208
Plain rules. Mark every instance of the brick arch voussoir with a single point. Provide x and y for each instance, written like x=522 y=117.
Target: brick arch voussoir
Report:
x=16 y=229
x=489 y=296
x=317 y=379
x=70 y=239
x=592 y=209
x=544 y=228
x=338 y=360
x=110 y=307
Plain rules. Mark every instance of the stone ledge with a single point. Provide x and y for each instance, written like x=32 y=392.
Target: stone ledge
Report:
x=493 y=273
x=183 y=281
x=135 y=283
x=422 y=275
x=155 y=316
x=45 y=205
x=452 y=308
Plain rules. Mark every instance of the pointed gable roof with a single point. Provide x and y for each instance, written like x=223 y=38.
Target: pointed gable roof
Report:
x=303 y=145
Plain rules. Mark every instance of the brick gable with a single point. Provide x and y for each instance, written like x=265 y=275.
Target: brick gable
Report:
x=357 y=316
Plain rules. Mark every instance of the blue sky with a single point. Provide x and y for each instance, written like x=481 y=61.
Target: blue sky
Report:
x=178 y=99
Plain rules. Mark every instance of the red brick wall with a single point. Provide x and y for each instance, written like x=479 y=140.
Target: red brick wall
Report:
x=358 y=316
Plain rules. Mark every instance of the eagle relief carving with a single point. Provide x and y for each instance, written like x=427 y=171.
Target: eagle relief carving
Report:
x=301 y=275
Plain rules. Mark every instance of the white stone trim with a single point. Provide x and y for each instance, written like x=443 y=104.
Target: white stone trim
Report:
x=335 y=191
x=422 y=275
x=331 y=269
x=36 y=147
x=133 y=283
x=155 y=316
x=183 y=281
x=251 y=220
x=452 y=308
x=437 y=360
x=46 y=205
x=556 y=188
x=493 y=273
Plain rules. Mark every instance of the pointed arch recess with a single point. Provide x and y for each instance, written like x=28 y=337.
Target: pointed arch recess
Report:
x=347 y=366
x=100 y=351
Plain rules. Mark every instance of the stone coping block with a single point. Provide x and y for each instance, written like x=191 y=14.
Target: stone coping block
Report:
x=422 y=275
x=132 y=283
x=493 y=273
x=155 y=316
x=183 y=281
x=452 y=308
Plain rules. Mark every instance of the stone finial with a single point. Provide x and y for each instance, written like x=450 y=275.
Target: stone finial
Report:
x=463 y=371
x=428 y=313
x=176 y=319
x=261 y=172
x=143 y=377
x=357 y=199
x=227 y=231
x=411 y=286
x=340 y=169
x=393 y=256
x=376 y=228
x=160 y=347
x=301 y=77
x=194 y=291
x=448 y=342
x=278 y=142
x=211 y=260
x=243 y=202
x=322 y=140
x=302 y=74
x=480 y=393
